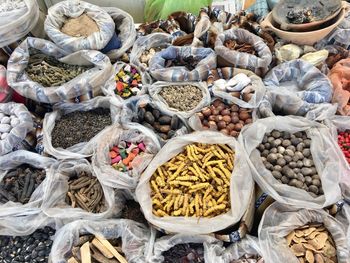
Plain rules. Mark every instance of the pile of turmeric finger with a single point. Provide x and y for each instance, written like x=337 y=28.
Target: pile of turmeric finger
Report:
x=91 y=249
x=194 y=183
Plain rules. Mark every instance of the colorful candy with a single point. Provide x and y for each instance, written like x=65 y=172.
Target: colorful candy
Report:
x=344 y=143
x=128 y=82
x=123 y=155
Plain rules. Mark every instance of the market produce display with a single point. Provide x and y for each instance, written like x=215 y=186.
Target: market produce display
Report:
x=221 y=136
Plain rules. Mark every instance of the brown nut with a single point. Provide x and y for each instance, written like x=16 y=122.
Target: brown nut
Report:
x=215 y=112
x=212 y=125
x=236 y=94
x=224 y=131
x=234 y=108
x=164 y=120
x=205 y=123
x=212 y=118
x=218 y=118
x=165 y=128
x=234 y=133
x=226 y=118
x=230 y=126
x=221 y=125
x=249 y=121
x=234 y=119
x=225 y=112
x=206 y=112
x=220 y=107
x=243 y=115
x=216 y=102
x=247 y=96
x=238 y=127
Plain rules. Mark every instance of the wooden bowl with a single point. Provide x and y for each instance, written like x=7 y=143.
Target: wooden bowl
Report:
x=303 y=38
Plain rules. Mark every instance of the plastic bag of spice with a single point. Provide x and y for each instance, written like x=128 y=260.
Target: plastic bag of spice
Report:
x=240 y=187
x=222 y=82
x=293 y=160
x=73 y=192
x=134 y=237
x=125 y=28
x=98 y=23
x=185 y=248
x=297 y=88
x=146 y=47
x=246 y=250
x=5 y=90
x=180 y=98
x=182 y=64
x=242 y=49
x=15 y=123
x=24 y=177
x=122 y=154
x=339 y=76
x=67 y=77
x=279 y=221
x=72 y=130
x=143 y=110
x=17 y=19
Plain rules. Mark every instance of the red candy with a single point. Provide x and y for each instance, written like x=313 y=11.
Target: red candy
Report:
x=344 y=143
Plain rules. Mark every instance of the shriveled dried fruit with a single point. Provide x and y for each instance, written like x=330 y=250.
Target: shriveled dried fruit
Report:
x=309 y=256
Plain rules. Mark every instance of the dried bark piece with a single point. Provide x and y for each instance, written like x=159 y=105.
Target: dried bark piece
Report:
x=299 y=240
x=328 y=250
x=321 y=240
x=298 y=250
x=310 y=247
x=308 y=231
x=115 y=253
x=102 y=248
x=309 y=256
x=318 y=258
x=72 y=260
x=290 y=237
x=313 y=235
x=299 y=233
x=85 y=253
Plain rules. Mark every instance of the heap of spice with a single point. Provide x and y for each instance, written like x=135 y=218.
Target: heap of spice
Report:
x=188 y=62
x=195 y=182
x=81 y=26
x=8 y=6
x=85 y=191
x=35 y=247
x=240 y=47
x=247 y=258
x=19 y=184
x=96 y=249
x=128 y=82
x=124 y=153
x=182 y=97
x=344 y=143
x=288 y=157
x=164 y=125
x=7 y=123
x=132 y=211
x=49 y=72
x=312 y=243
x=147 y=55
x=181 y=253
x=226 y=118
x=79 y=126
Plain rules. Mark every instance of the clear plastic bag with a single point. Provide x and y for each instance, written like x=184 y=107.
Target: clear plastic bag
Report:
x=19 y=132
x=12 y=161
x=256 y=83
x=89 y=82
x=54 y=204
x=58 y=14
x=162 y=105
x=134 y=237
x=131 y=132
x=163 y=244
x=230 y=58
x=18 y=23
x=325 y=153
x=206 y=58
x=80 y=150
x=129 y=110
x=241 y=187
x=344 y=217
x=297 y=88
x=124 y=23
x=279 y=220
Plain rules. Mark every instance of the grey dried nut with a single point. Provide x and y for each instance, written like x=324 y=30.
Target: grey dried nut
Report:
x=273 y=150
x=263 y=159
x=272 y=158
x=287 y=158
x=286 y=135
x=281 y=162
x=261 y=147
x=277 y=174
x=316 y=182
x=156 y=114
x=307 y=143
x=300 y=147
x=267 y=146
x=276 y=134
x=314 y=173
x=281 y=149
x=277 y=168
x=288 y=172
x=156 y=126
x=306 y=153
x=300 y=164
x=299 y=155
x=293 y=182
x=313 y=189
x=308 y=162
x=171 y=133
x=141 y=114
x=149 y=118
x=296 y=170
x=147 y=125
x=306 y=171
x=286 y=143
x=270 y=139
x=264 y=139
x=175 y=122
x=277 y=142
x=298 y=134
x=165 y=128
x=284 y=179
x=265 y=153
x=296 y=141
x=308 y=180
x=268 y=166
x=289 y=152
x=164 y=120
x=279 y=155
x=292 y=165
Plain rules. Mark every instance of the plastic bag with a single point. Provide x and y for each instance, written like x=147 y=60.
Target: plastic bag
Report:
x=80 y=150
x=134 y=237
x=89 y=82
x=297 y=88
x=130 y=110
x=124 y=23
x=325 y=153
x=206 y=58
x=101 y=160
x=144 y=43
x=279 y=220
x=227 y=73
x=5 y=90
x=61 y=11
x=344 y=217
x=12 y=161
x=162 y=105
x=54 y=204
x=18 y=133
x=258 y=64
x=18 y=23
x=163 y=244
x=249 y=245
x=241 y=187
x=339 y=76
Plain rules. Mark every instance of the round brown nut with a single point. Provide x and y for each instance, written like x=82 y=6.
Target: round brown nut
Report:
x=149 y=118
x=238 y=127
x=218 y=118
x=234 y=133
x=212 y=118
x=206 y=112
x=215 y=111
x=164 y=120
x=248 y=121
x=225 y=112
x=234 y=119
x=205 y=123
x=165 y=128
x=217 y=102
x=231 y=127
x=221 y=125
x=244 y=115
x=224 y=131
x=234 y=108
x=236 y=94
x=156 y=114
x=157 y=126
x=212 y=125
x=174 y=124
x=226 y=118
